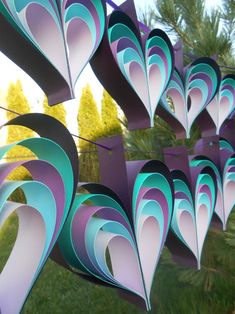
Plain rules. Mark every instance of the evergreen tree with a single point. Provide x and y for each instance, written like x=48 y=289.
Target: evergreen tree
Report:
x=89 y=123
x=16 y=101
x=109 y=115
x=149 y=143
x=90 y=127
x=146 y=15
x=57 y=111
x=201 y=31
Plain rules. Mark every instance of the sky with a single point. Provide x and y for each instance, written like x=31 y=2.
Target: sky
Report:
x=9 y=72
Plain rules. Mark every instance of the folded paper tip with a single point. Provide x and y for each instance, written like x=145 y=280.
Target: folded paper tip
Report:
x=188 y=135
x=198 y=265
x=224 y=226
x=148 y=305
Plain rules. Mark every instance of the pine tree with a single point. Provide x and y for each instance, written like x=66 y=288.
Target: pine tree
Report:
x=89 y=126
x=89 y=123
x=200 y=29
x=57 y=111
x=149 y=143
x=109 y=114
x=16 y=101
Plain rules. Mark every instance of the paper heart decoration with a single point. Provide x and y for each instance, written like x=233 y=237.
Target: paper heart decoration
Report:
x=227 y=131
x=147 y=70
x=203 y=161
x=223 y=105
x=48 y=199
x=59 y=37
x=137 y=68
x=193 y=209
x=218 y=154
x=229 y=187
x=100 y=240
x=225 y=145
x=184 y=99
x=225 y=183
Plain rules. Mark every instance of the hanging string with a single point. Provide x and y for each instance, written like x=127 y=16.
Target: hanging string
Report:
x=9 y=110
x=146 y=29
x=91 y=142
x=102 y=146
x=189 y=151
x=77 y=136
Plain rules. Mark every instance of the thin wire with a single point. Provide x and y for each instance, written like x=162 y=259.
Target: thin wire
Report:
x=86 y=140
x=77 y=136
x=100 y=145
x=126 y=150
x=12 y=111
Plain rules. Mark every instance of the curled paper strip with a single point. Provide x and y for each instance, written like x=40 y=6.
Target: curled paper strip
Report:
x=225 y=145
x=218 y=154
x=184 y=99
x=137 y=67
x=227 y=131
x=203 y=161
x=223 y=105
x=225 y=183
x=53 y=37
x=48 y=199
x=229 y=186
x=101 y=242
x=193 y=210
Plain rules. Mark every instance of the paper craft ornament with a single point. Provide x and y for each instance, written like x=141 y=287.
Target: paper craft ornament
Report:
x=102 y=242
x=52 y=40
x=137 y=67
x=223 y=105
x=186 y=97
x=227 y=132
x=195 y=197
x=225 y=145
x=222 y=160
x=48 y=199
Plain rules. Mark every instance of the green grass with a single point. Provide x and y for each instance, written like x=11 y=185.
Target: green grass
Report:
x=59 y=291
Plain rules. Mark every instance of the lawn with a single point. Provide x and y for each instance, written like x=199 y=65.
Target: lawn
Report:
x=176 y=290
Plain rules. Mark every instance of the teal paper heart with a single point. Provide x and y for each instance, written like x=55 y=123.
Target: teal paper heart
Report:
x=223 y=105
x=225 y=187
x=186 y=99
x=100 y=241
x=147 y=70
x=48 y=199
x=66 y=33
x=225 y=145
x=193 y=211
